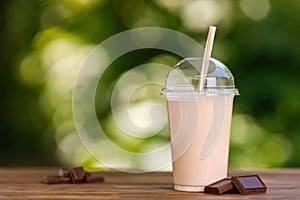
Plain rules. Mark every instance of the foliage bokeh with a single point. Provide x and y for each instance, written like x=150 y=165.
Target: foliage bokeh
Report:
x=45 y=42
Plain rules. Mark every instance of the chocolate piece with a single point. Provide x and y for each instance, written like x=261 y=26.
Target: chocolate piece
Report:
x=77 y=174
x=219 y=187
x=63 y=173
x=74 y=175
x=56 y=179
x=251 y=184
x=93 y=178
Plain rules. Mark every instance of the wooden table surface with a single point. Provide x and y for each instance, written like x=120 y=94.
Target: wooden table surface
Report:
x=25 y=183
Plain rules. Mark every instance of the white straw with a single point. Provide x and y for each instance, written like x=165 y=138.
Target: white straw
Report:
x=206 y=57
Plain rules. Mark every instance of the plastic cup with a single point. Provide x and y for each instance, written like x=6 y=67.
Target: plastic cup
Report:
x=199 y=123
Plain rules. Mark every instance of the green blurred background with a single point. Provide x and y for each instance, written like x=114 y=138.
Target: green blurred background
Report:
x=44 y=42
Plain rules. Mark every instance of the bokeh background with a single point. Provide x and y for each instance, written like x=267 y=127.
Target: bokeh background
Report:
x=44 y=42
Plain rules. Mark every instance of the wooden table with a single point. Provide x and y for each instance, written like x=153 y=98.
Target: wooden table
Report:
x=16 y=183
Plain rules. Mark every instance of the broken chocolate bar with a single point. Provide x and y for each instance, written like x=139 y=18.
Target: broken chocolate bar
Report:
x=251 y=184
x=56 y=179
x=74 y=175
x=219 y=187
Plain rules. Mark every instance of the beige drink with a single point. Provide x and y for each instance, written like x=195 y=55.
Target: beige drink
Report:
x=199 y=122
x=200 y=135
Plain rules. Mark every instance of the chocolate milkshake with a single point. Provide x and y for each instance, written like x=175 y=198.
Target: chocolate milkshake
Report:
x=199 y=123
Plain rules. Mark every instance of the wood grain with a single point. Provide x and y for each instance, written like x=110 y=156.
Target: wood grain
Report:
x=25 y=183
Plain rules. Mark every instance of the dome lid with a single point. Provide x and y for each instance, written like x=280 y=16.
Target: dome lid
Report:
x=183 y=79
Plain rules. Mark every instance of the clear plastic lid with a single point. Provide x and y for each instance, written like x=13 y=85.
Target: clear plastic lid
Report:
x=183 y=79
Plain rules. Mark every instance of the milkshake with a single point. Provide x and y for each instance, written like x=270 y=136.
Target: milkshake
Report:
x=199 y=123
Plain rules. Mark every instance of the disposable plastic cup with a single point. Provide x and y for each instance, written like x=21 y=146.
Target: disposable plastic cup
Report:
x=199 y=123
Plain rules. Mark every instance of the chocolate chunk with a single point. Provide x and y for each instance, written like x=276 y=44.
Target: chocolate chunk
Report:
x=74 y=175
x=94 y=178
x=63 y=173
x=77 y=174
x=56 y=179
x=219 y=187
x=251 y=184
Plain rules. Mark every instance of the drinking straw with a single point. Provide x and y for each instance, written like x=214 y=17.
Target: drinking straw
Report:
x=206 y=57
